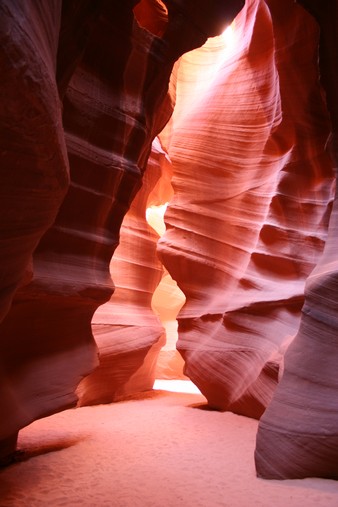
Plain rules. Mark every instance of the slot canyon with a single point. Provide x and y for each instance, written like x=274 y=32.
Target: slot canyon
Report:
x=221 y=115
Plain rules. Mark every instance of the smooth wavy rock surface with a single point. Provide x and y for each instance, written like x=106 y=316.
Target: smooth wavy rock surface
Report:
x=253 y=187
x=33 y=175
x=128 y=333
x=298 y=435
x=108 y=132
x=112 y=78
x=34 y=165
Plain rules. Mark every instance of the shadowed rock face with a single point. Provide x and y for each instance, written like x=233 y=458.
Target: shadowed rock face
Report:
x=33 y=178
x=34 y=165
x=84 y=93
x=297 y=436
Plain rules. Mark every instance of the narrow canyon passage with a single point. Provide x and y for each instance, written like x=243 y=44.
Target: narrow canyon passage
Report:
x=223 y=115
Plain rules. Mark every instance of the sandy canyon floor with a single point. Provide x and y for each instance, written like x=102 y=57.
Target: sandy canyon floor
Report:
x=161 y=449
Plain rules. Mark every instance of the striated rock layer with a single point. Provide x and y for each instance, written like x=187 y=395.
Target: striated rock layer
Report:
x=298 y=434
x=33 y=176
x=113 y=79
x=253 y=186
x=126 y=330
x=34 y=164
x=86 y=87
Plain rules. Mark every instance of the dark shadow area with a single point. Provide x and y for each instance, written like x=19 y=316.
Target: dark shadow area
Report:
x=23 y=454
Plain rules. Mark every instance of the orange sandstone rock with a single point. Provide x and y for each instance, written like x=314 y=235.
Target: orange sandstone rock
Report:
x=113 y=78
x=253 y=186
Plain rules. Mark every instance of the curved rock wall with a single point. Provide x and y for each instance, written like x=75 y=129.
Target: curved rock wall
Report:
x=34 y=165
x=113 y=80
x=297 y=436
x=126 y=330
x=33 y=174
x=86 y=87
x=253 y=187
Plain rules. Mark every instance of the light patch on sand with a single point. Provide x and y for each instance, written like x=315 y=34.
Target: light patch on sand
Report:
x=176 y=386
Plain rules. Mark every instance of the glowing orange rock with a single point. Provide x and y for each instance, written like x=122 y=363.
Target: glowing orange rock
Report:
x=126 y=330
x=252 y=187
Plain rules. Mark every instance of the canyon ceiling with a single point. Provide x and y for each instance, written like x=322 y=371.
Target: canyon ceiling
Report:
x=109 y=108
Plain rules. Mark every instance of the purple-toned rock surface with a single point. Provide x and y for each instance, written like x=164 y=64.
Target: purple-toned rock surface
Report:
x=298 y=434
x=33 y=180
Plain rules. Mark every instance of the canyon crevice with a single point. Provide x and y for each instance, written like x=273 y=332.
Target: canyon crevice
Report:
x=225 y=114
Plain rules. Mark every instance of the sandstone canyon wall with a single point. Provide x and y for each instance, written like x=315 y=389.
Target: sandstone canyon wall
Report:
x=244 y=148
x=85 y=92
x=126 y=330
x=253 y=186
x=34 y=178
x=297 y=435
